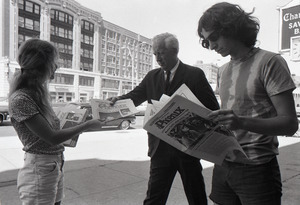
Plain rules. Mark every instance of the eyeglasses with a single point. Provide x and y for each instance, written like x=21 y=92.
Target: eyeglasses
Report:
x=213 y=37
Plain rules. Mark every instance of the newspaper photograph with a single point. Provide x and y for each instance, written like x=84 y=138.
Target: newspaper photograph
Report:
x=184 y=125
x=102 y=109
x=70 y=116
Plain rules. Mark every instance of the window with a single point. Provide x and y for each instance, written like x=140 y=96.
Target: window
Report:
x=36 y=25
x=86 y=66
x=37 y=9
x=86 y=81
x=28 y=20
x=61 y=16
x=29 y=24
x=29 y=6
x=21 y=4
x=60 y=78
x=61 y=32
x=63 y=48
x=87 y=53
x=107 y=83
x=86 y=25
x=21 y=22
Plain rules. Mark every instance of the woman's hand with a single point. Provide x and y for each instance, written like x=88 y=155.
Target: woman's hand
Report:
x=94 y=124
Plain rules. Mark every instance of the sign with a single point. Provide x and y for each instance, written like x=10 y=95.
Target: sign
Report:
x=295 y=48
x=290 y=18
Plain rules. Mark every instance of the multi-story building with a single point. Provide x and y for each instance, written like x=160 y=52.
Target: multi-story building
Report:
x=210 y=70
x=98 y=59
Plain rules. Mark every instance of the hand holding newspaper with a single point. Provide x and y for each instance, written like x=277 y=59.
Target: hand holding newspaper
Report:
x=182 y=122
x=70 y=116
x=102 y=109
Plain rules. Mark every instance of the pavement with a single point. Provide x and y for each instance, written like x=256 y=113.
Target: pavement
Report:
x=112 y=168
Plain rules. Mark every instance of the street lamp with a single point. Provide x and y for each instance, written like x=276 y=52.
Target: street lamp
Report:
x=132 y=56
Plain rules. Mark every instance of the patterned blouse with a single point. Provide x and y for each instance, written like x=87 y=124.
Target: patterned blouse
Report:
x=22 y=107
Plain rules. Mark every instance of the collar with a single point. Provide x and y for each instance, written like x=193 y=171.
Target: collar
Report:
x=173 y=70
x=250 y=53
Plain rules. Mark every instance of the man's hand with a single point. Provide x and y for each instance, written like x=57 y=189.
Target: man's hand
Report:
x=226 y=118
x=113 y=100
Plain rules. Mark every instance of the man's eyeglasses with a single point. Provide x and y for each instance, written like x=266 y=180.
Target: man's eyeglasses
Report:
x=214 y=36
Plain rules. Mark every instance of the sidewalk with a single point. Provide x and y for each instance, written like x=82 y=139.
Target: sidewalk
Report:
x=112 y=168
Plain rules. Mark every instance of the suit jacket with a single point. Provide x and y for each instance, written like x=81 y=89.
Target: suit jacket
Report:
x=152 y=87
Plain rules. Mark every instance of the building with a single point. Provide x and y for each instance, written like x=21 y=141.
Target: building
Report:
x=210 y=70
x=289 y=40
x=98 y=59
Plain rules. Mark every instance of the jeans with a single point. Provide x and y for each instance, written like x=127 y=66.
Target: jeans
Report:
x=40 y=180
x=236 y=184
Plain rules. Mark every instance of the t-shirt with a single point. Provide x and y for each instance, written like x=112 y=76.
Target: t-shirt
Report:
x=22 y=107
x=245 y=86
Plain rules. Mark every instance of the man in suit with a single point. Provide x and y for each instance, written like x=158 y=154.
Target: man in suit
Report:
x=165 y=159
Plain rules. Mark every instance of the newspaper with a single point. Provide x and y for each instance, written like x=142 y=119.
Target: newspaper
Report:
x=70 y=116
x=183 y=91
x=104 y=111
x=183 y=124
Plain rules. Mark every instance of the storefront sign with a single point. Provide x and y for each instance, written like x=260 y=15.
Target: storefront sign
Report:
x=290 y=25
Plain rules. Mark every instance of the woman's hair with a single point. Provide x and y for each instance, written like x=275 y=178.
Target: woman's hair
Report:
x=37 y=59
x=170 y=41
x=231 y=21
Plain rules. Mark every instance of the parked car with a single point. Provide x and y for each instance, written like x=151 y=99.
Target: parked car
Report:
x=122 y=123
x=142 y=109
x=3 y=112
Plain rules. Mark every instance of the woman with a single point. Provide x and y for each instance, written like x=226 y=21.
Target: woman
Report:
x=40 y=181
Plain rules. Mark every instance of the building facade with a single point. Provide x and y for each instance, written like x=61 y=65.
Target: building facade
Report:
x=210 y=70
x=97 y=59
x=289 y=41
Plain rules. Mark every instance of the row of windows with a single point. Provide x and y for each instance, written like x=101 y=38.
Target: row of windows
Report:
x=61 y=16
x=22 y=38
x=64 y=63
x=29 y=23
x=86 y=81
x=67 y=79
x=86 y=66
x=86 y=53
x=63 y=48
x=87 y=39
x=87 y=25
x=29 y=6
x=107 y=83
x=60 y=78
x=61 y=32
x=61 y=96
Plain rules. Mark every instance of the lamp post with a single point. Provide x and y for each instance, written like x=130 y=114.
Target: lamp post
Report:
x=132 y=56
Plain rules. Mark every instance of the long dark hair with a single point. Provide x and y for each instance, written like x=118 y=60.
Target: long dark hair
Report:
x=37 y=60
x=231 y=21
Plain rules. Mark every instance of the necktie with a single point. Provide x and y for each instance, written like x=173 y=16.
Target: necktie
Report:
x=167 y=85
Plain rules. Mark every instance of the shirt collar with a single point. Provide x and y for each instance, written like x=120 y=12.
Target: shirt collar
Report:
x=173 y=70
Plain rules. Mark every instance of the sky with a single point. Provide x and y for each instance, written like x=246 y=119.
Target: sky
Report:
x=180 y=17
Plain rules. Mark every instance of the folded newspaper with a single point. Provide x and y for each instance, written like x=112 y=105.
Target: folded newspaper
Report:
x=181 y=121
x=103 y=110
x=70 y=116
